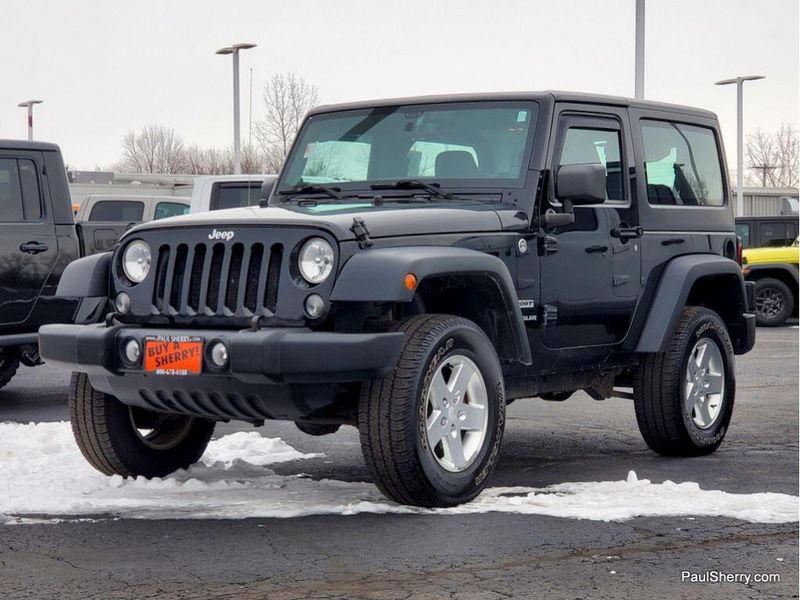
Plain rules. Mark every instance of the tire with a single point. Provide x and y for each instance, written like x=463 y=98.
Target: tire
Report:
x=774 y=302
x=8 y=367
x=666 y=408
x=395 y=413
x=106 y=432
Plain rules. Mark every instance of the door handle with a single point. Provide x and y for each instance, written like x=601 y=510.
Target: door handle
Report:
x=33 y=247
x=596 y=249
x=673 y=241
x=625 y=233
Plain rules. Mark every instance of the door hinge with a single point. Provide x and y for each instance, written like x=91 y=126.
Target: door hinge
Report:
x=359 y=229
x=548 y=314
x=548 y=244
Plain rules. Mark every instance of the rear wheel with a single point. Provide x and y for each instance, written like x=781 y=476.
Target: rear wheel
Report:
x=8 y=367
x=684 y=397
x=774 y=302
x=431 y=430
x=118 y=439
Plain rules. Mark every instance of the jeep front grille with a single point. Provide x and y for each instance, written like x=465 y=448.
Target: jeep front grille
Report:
x=217 y=279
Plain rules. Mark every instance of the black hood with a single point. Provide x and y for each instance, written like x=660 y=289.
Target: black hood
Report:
x=391 y=219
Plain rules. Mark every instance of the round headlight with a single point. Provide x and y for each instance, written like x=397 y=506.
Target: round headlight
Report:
x=136 y=261
x=316 y=260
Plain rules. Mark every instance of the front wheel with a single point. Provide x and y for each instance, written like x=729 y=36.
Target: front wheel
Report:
x=431 y=430
x=684 y=397
x=118 y=439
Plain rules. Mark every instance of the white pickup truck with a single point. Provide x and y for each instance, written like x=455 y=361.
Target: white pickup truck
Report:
x=217 y=192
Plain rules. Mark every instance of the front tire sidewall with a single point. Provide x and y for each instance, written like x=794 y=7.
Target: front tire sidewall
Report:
x=711 y=328
x=465 y=485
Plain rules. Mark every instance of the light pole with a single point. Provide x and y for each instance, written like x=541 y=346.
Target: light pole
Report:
x=639 y=80
x=29 y=105
x=739 y=136
x=237 y=151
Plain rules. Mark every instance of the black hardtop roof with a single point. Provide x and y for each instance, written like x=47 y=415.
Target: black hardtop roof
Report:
x=554 y=95
x=26 y=145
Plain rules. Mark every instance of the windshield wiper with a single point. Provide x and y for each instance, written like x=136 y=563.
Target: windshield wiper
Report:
x=332 y=191
x=433 y=188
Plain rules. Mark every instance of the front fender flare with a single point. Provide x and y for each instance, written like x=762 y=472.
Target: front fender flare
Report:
x=378 y=276
x=86 y=277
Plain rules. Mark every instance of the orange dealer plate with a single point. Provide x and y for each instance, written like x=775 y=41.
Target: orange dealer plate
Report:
x=173 y=355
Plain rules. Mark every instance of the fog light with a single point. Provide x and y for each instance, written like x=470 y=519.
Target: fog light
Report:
x=132 y=351
x=219 y=354
x=123 y=303
x=315 y=306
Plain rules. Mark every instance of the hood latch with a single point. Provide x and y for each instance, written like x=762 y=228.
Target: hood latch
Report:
x=359 y=228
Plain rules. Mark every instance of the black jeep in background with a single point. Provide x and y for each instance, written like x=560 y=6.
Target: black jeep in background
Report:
x=420 y=264
x=38 y=239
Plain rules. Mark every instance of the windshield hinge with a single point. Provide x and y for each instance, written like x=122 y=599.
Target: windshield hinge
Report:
x=359 y=228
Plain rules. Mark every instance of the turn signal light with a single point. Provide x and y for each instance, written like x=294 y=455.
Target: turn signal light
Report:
x=410 y=281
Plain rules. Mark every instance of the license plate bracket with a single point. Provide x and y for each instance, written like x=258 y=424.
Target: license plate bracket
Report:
x=173 y=355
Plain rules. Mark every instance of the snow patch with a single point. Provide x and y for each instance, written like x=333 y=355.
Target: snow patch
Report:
x=44 y=478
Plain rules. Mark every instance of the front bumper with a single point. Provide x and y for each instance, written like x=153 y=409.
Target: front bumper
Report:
x=273 y=355
x=286 y=373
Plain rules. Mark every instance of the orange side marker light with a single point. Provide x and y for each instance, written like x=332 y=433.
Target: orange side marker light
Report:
x=410 y=281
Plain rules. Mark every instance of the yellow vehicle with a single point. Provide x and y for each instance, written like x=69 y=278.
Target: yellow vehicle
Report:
x=775 y=273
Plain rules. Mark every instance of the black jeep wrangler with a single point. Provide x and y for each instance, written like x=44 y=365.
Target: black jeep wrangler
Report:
x=419 y=264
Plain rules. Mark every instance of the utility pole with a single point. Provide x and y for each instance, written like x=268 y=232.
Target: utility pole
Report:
x=739 y=136
x=639 y=82
x=237 y=150
x=29 y=105
x=250 y=133
x=764 y=169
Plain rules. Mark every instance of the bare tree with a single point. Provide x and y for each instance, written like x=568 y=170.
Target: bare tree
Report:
x=772 y=158
x=287 y=99
x=153 y=149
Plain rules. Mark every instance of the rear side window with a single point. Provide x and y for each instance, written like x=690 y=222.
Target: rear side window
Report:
x=682 y=165
x=235 y=195
x=170 y=209
x=743 y=231
x=776 y=235
x=128 y=211
x=19 y=191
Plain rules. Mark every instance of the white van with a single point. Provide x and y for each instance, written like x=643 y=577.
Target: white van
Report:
x=217 y=192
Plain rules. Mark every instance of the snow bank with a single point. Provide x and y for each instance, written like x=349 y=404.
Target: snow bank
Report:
x=43 y=477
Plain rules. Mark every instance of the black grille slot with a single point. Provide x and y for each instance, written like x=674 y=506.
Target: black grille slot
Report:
x=196 y=280
x=234 y=273
x=212 y=297
x=161 y=277
x=273 y=277
x=178 y=271
x=253 y=274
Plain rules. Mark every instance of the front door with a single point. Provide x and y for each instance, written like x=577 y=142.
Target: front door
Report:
x=589 y=273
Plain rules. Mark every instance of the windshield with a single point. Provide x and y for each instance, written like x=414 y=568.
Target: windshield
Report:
x=479 y=144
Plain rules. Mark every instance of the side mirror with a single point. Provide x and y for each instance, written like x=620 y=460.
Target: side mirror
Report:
x=581 y=184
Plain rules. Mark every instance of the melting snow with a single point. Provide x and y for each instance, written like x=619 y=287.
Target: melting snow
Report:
x=43 y=477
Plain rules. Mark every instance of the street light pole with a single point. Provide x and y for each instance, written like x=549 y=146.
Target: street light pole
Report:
x=29 y=104
x=237 y=150
x=739 y=81
x=639 y=82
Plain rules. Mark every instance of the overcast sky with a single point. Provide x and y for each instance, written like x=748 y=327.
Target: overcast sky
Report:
x=105 y=67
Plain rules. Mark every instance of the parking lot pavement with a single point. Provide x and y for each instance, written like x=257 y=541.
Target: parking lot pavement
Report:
x=489 y=555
